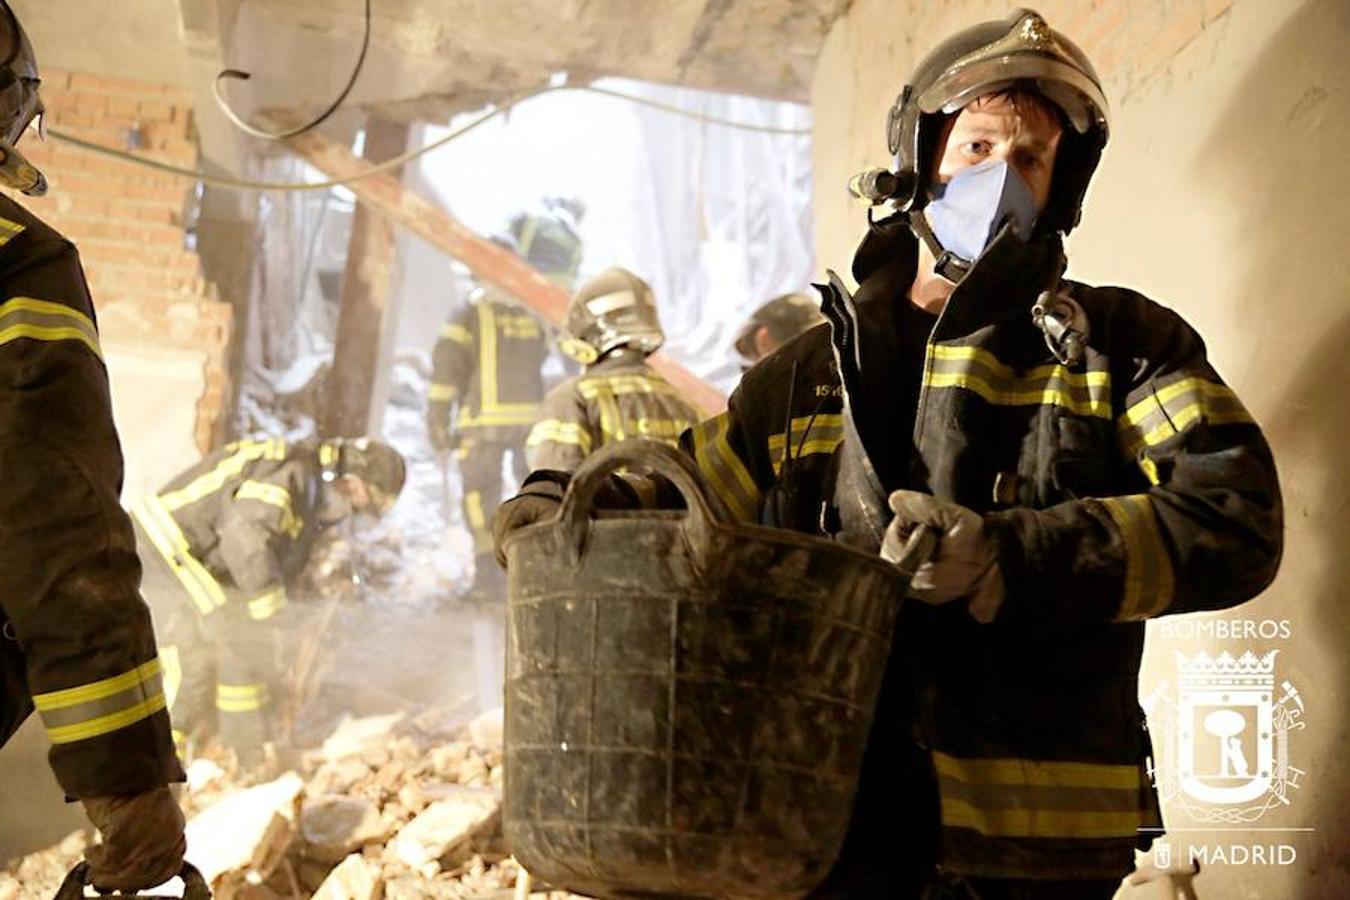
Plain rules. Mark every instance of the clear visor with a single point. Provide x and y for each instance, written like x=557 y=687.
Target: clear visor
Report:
x=1063 y=84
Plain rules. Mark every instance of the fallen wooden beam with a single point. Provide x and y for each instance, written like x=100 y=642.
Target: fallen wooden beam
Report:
x=488 y=262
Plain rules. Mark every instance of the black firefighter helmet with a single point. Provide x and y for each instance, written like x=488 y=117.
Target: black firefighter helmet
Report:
x=1021 y=51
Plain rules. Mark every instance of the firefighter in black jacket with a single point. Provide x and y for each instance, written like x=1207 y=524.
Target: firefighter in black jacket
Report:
x=486 y=380
x=613 y=326
x=76 y=641
x=1085 y=464
x=218 y=545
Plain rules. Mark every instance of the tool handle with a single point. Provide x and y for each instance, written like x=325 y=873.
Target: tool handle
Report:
x=194 y=885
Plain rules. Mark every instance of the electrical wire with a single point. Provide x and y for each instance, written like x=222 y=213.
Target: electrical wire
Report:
x=238 y=75
x=243 y=184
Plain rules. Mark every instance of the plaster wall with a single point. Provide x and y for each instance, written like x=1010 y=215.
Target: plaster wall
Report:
x=1223 y=195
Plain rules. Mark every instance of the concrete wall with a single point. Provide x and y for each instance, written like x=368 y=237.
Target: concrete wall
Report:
x=1223 y=194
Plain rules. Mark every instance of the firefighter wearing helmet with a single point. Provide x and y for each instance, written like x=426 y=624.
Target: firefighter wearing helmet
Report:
x=613 y=326
x=1085 y=465
x=218 y=545
x=76 y=642
x=487 y=382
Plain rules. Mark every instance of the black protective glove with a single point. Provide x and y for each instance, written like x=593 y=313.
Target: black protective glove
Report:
x=142 y=842
x=538 y=500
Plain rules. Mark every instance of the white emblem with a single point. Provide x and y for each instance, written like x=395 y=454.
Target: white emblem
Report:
x=1162 y=855
x=1225 y=757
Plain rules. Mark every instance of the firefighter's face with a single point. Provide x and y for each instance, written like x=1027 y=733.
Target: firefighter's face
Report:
x=1021 y=130
x=364 y=497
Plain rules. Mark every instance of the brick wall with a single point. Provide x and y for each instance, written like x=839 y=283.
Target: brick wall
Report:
x=131 y=222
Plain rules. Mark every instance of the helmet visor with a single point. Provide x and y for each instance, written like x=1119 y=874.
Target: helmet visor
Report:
x=1067 y=86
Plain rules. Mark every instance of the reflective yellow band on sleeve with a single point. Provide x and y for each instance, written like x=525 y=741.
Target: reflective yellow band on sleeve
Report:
x=241 y=698
x=1169 y=410
x=557 y=431
x=979 y=371
x=1009 y=797
x=457 y=333
x=273 y=495
x=1149 y=582
x=43 y=320
x=726 y=473
x=170 y=542
x=101 y=707
x=808 y=435
x=267 y=604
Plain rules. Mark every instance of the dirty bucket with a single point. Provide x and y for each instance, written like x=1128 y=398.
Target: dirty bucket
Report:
x=687 y=700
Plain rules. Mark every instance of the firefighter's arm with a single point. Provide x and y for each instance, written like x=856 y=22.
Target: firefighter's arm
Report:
x=69 y=575
x=735 y=468
x=563 y=436
x=1205 y=529
x=260 y=523
x=452 y=365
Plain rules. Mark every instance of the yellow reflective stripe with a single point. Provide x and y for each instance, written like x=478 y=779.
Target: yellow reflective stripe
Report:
x=103 y=706
x=242 y=697
x=441 y=392
x=1045 y=823
x=559 y=432
x=273 y=495
x=457 y=333
x=491 y=412
x=521 y=414
x=591 y=386
x=68 y=734
x=328 y=454
x=9 y=231
x=1149 y=582
x=206 y=593
x=668 y=430
x=823 y=434
x=1037 y=772
x=1010 y=797
x=44 y=320
x=96 y=690
x=267 y=604
x=172 y=662
x=240 y=455
x=726 y=474
x=1169 y=410
x=478 y=525
x=977 y=370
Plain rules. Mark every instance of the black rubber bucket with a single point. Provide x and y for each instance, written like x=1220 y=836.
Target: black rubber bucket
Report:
x=687 y=701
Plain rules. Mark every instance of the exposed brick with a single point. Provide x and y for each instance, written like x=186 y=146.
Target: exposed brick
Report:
x=156 y=111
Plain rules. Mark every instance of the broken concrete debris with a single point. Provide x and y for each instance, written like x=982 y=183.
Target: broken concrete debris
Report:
x=383 y=811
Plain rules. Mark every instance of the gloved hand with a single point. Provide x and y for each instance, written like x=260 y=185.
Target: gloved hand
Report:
x=965 y=563
x=438 y=430
x=142 y=840
x=535 y=503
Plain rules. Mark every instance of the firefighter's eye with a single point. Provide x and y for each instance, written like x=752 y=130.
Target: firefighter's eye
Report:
x=977 y=148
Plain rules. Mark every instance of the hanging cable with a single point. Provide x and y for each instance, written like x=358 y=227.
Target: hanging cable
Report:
x=238 y=75
x=244 y=184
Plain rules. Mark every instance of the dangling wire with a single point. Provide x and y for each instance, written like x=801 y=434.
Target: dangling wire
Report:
x=238 y=75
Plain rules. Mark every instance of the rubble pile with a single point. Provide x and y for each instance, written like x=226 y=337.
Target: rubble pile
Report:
x=390 y=808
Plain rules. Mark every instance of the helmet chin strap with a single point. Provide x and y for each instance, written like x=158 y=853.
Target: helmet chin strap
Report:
x=948 y=264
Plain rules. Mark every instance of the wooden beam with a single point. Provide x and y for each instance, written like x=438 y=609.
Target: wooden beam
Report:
x=496 y=265
x=366 y=285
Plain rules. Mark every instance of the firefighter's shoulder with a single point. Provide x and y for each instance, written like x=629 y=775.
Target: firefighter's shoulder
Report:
x=803 y=366
x=1126 y=323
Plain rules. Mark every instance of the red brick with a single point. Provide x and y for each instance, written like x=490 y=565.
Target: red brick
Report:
x=156 y=111
x=124 y=107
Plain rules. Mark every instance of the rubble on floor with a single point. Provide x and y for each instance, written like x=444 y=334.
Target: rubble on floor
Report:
x=389 y=808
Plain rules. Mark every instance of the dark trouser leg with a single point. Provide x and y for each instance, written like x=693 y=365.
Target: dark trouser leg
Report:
x=245 y=682
x=480 y=466
x=1032 y=889
x=16 y=703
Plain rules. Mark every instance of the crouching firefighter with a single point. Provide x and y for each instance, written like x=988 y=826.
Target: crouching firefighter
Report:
x=218 y=545
x=76 y=642
x=613 y=327
x=1085 y=464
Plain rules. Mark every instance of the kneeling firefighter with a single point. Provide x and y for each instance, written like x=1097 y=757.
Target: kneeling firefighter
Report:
x=613 y=326
x=218 y=545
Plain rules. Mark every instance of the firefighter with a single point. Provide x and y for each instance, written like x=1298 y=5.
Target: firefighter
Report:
x=218 y=544
x=613 y=327
x=487 y=383
x=1086 y=466
x=76 y=641
x=774 y=324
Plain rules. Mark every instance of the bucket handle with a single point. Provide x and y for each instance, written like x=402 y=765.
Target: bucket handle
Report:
x=77 y=879
x=705 y=512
